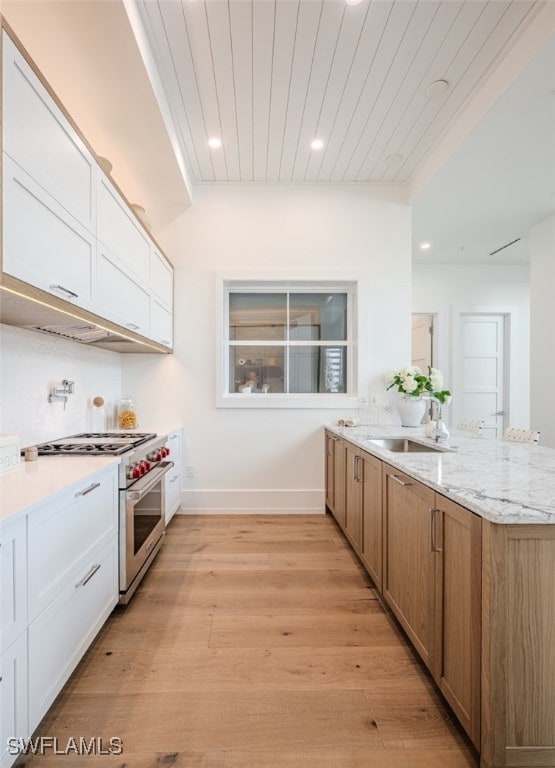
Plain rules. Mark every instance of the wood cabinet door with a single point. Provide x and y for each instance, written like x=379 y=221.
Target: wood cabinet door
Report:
x=372 y=528
x=330 y=470
x=457 y=541
x=353 y=498
x=408 y=584
x=339 y=478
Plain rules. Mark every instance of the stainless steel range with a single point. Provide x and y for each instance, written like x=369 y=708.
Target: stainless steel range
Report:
x=142 y=468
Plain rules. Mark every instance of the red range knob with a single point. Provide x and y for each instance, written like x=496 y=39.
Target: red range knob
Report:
x=167 y=451
x=159 y=456
x=146 y=465
x=137 y=472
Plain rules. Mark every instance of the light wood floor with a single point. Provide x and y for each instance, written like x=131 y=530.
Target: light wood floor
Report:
x=256 y=642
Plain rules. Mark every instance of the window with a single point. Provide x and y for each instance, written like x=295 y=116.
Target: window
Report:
x=287 y=341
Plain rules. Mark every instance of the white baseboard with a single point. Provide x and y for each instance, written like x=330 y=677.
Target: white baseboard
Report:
x=252 y=502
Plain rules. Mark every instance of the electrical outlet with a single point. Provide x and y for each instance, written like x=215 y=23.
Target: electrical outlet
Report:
x=189 y=472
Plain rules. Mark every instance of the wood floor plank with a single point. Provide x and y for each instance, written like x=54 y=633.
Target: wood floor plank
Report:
x=250 y=720
x=349 y=757
x=255 y=642
x=244 y=669
x=309 y=631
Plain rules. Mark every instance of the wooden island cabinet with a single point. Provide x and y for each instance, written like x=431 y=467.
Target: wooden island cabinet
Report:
x=476 y=599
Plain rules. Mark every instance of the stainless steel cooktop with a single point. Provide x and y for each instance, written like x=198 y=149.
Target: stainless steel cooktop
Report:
x=95 y=444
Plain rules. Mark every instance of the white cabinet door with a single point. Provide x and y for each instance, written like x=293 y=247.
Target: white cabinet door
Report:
x=61 y=634
x=118 y=297
x=161 y=323
x=14 y=721
x=172 y=480
x=64 y=533
x=161 y=278
x=43 y=244
x=38 y=136
x=13 y=581
x=120 y=232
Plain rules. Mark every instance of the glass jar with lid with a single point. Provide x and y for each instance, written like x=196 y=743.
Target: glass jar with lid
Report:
x=127 y=414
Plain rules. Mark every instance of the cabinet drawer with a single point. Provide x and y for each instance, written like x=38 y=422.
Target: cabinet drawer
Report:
x=64 y=534
x=38 y=136
x=119 y=298
x=43 y=244
x=13 y=698
x=59 y=637
x=13 y=581
x=172 y=493
x=121 y=233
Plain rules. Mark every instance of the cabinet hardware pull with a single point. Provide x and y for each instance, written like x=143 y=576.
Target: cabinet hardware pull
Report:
x=433 y=546
x=355 y=478
x=173 y=437
x=87 y=490
x=133 y=326
x=88 y=577
x=174 y=478
x=165 y=341
x=64 y=290
x=398 y=480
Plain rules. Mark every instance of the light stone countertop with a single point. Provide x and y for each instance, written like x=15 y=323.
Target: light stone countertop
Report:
x=34 y=482
x=504 y=482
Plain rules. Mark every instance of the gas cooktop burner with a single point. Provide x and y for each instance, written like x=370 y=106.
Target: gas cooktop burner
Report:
x=95 y=444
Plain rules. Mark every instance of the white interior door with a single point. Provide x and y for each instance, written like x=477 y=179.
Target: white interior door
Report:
x=479 y=368
x=422 y=341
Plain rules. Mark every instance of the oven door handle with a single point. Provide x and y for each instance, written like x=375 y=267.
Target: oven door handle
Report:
x=142 y=487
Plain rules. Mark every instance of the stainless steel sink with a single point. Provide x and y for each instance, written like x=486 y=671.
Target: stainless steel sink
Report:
x=405 y=445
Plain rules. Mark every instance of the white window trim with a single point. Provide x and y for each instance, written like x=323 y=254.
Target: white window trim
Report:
x=315 y=283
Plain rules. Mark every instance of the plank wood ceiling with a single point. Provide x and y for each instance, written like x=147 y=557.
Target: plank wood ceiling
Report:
x=269 y=76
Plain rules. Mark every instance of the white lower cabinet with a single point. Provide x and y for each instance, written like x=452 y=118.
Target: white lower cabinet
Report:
x=13 y=581
x=172 y=489
x=59 y=637
x=14 y=720
x=63 y=534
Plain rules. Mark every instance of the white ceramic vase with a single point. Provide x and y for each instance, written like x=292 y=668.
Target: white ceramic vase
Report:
x=411 y=410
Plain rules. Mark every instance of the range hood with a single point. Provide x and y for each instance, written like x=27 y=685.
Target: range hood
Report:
x=35 y=315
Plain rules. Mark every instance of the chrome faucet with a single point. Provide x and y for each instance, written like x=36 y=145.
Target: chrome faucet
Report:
x=440 y=431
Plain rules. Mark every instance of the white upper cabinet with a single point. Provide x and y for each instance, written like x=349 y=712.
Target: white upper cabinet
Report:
x=119 y=230
x=41 y=140
x=119 y=298
x=43 y=244
x=161 y=278
x=67 y=228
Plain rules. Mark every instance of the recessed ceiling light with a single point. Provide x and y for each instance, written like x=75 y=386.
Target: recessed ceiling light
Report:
x=317 y=144
x=352 y=2
x=395 y=159
x=437 y=88
x=425 y=246
x=215 y=142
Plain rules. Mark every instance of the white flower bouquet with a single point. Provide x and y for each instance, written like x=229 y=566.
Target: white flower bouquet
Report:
x=411 y=381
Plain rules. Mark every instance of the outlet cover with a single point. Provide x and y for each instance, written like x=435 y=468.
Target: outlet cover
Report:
x=189 y=472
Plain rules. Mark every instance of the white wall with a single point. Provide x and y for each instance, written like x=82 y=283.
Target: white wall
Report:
x=31 y=363
x=270 y=459
x=542 y=326
x=450 y=289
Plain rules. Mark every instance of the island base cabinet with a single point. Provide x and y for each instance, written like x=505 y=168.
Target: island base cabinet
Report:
x=518 y=645
x=13 y=699
x=335 y=477
x=372 y=530
x=408 y=581
x=353 y=497
x=64 y=630
x=457 y=544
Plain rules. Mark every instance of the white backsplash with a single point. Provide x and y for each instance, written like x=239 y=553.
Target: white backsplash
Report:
x=31 y=364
